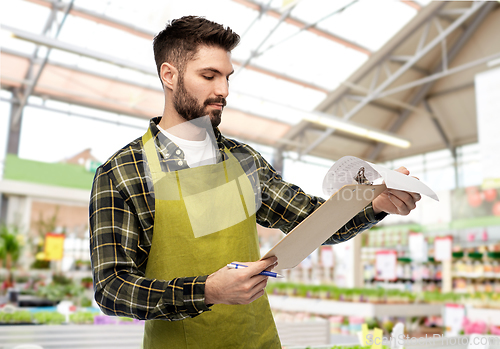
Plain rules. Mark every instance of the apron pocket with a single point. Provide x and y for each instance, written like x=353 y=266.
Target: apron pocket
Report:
x=206 y=217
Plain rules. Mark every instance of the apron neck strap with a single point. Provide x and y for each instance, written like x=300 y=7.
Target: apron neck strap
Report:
x=149 y=147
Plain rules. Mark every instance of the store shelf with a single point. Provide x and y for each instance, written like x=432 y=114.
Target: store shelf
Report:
x=73 y=336
x=309 y=332
x=327 y=307
x=490 y=316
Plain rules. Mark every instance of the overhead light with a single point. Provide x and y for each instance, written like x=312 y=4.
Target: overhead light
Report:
x=493 y=62
x=358 y=130
x=5 y=34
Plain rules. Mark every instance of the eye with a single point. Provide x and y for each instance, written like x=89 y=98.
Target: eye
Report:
x=208 y=77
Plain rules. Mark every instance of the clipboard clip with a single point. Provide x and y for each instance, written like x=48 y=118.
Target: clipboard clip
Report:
x=360 y=177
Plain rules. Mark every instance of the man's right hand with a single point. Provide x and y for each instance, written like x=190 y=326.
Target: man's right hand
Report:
x=238 y=286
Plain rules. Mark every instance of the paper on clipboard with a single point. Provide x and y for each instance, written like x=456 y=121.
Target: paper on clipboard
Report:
x=345 y=169
x=346 y=200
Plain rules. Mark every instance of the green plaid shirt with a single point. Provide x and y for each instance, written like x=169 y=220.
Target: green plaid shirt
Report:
x=122 y=212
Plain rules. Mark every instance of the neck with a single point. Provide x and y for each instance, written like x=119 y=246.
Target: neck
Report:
x=176 y=125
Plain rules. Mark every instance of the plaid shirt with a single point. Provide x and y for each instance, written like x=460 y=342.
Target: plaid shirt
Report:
x=122 y=212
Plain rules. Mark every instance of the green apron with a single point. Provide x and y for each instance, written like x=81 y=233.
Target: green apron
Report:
x=205 y=219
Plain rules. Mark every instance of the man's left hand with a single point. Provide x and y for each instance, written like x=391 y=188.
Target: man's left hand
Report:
x=396 y=201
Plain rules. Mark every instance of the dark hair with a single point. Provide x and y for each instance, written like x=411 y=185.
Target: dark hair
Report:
x=178 y=43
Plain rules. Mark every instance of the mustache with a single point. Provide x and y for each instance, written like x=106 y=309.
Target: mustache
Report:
x=221 y=100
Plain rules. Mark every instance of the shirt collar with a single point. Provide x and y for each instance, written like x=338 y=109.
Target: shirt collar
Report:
x=166 y=147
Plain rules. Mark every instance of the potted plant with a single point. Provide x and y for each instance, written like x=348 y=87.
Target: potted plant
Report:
x=10 y=249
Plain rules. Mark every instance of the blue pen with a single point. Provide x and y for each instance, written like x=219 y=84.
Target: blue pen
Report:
x=265 y=272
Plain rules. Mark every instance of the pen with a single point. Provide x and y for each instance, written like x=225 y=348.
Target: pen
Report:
x=265 y=272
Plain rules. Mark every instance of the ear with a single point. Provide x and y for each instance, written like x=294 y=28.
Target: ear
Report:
x=169 y=75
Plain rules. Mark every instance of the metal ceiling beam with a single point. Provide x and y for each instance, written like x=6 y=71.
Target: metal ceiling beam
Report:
x=379 y=105
x=422 y=51
x=16 y=112
x=97 y=17
x=153 y=88
x=439 y=75
x=78 y=50
x=31 y=86
x=301 y=24
x=434 y=42
x=124 y=26
x=77 y=69
x=450 y=90
x=438 y=125
x=454 y=50
x=254 y=52
x=403 y=59
x=384 y=54
x=283 y=77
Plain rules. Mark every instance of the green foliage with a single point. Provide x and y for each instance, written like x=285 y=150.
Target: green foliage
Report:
x=82 y=317
x=61 y=288
x=16 y=317
x=49 y=318
x=9 y=242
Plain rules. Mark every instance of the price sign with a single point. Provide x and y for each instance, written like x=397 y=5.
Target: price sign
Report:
x=453 y=319
x=54 y=247
x=418 y=247
x=385 y=265
x=442 y=248
x=327 y=257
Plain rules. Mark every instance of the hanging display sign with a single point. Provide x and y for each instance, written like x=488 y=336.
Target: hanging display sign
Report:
x=418 y=247
x=488 y=123
x=327 y=256
x=54 y=247
x=385 y=265
x=454 y=315
x=442 y=248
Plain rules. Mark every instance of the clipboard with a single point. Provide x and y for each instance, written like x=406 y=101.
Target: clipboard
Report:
x=313 y=231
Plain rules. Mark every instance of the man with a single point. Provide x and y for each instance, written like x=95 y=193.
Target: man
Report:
x=171 y=209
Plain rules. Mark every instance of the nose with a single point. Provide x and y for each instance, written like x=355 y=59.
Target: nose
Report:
x=222 y=88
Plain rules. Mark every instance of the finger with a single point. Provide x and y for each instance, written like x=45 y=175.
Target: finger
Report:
x=263 y=264
x=399 y=205
x=403 y=170
x=407 y=197
x=272 y=266
x=261 y=284
x=256 y=295
x=416 y=196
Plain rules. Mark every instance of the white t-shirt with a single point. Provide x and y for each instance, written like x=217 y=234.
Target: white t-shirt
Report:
x=196 y=153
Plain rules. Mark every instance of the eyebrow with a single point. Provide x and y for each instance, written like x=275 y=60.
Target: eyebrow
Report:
x=215 y=71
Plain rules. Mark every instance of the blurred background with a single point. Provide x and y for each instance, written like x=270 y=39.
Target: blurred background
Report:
x=412 y=83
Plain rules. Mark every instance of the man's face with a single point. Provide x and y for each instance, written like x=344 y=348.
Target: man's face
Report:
x=202 y=87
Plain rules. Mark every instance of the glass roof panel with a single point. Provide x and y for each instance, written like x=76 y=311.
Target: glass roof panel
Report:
x=370 y=23
x=301 y=55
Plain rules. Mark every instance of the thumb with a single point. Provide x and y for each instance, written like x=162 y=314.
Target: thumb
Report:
x=403 y=170
x=263 y=264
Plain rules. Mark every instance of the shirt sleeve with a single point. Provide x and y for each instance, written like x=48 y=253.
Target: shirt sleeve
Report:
x=285 y=205
x=120 y=287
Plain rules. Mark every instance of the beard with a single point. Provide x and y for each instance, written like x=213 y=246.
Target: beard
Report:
x=188 y=107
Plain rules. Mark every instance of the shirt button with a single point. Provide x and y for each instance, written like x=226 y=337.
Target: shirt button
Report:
x=179 y=163
x=177 y=151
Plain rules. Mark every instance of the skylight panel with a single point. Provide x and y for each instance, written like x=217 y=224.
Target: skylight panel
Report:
x=307 y=11
x=313 y=59
x=25 y=15
x=370 y=23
